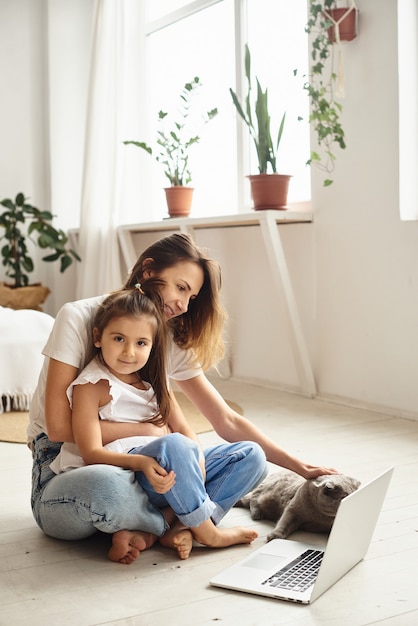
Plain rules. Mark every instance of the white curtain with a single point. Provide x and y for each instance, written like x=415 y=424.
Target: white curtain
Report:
x=114 y=78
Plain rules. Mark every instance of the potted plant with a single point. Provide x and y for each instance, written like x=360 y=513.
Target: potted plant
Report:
x=173 y=149
x=323 y=86
x=21 y=222
x=268 y=188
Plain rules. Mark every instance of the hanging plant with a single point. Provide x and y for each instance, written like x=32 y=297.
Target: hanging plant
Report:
x=324 y=86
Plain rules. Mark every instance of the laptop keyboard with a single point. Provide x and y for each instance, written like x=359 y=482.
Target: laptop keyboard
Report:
x=299 y=574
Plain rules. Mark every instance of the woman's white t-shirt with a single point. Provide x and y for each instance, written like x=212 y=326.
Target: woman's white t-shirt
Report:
x=68 y=343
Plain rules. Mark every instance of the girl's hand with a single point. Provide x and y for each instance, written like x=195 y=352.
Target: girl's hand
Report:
x=160 y=480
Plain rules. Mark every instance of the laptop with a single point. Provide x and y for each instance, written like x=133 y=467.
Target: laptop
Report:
x=264 y=571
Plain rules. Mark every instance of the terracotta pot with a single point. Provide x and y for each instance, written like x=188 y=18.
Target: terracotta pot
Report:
x=269 y=191
x=30 y=297
x=179 y=201
x=347 y=26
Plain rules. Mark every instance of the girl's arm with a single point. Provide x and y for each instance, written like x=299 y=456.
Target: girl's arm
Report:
x=87 y=399
x=233 y=427
x=179 y=424
x=177 y=421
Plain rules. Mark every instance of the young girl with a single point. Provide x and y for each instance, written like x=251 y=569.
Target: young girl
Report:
x=76 y=504
x=126 y=382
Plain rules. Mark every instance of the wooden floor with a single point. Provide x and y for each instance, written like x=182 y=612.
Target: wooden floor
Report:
x=44 y=581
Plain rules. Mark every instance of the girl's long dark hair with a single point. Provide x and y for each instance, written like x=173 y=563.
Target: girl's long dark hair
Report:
x=138 y=305
x=201 y=327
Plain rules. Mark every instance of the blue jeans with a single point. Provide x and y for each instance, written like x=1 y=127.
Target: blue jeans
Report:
x=232 y=470
x=76 y=504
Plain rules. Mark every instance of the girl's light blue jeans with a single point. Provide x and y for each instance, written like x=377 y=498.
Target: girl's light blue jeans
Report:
x=75 y=504
x=232 y=470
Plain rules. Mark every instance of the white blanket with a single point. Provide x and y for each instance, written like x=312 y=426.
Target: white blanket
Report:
x=23 y=335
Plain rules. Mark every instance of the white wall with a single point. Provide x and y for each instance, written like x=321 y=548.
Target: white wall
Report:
x=20 y=97
x=366 y=258
x=355 y=268
x=259 y=349
x=42 y=43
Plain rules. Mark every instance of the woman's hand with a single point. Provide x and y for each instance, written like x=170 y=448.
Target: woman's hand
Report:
x=312 y=471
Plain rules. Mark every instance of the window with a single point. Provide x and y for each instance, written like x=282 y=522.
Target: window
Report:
x=202 y=38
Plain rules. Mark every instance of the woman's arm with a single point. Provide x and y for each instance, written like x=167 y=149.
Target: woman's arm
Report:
x=87 y=399
x=57 y=408
x=233 y=427
x=120 y=430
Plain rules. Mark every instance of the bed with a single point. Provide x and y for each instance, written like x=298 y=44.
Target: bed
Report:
x=23 y=334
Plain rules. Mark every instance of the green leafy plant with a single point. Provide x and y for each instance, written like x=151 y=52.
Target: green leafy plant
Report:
x=22 y=221
x=174 y=145
x=325 y=110
x=257 y=118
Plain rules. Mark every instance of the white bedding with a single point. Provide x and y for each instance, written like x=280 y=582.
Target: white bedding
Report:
x=23 y=335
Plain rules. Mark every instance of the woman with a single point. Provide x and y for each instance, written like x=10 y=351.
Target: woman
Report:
x=126 y=381
x=74 y=505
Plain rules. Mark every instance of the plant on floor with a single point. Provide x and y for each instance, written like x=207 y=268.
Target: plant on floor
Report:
x=325 y=110
x=174 y=144
x=17 y=214
x=256 y=116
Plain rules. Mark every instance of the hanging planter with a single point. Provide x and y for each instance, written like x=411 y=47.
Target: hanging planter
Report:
x=345 y=23
x=328 y=25
x=179 y=200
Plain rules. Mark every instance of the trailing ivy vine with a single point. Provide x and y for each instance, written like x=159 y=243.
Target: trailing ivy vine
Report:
x=325 y=109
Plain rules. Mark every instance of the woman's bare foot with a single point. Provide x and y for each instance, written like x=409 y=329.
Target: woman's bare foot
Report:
x=127 y=545
x=213 y=537
x=178 y=538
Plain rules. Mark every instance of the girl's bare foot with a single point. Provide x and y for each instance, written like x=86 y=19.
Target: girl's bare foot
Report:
x=214 y=537
x=127 y=545
x=178 y=538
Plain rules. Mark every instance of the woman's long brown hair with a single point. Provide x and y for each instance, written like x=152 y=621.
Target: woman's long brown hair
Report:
x=201 y=327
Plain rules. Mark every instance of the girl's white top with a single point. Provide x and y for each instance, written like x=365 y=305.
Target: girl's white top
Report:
x=127 y=404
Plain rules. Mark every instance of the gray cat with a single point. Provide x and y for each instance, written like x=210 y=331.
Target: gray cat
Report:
x=298 y=504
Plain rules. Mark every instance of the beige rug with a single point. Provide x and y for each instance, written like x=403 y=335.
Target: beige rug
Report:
x=14 y=423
